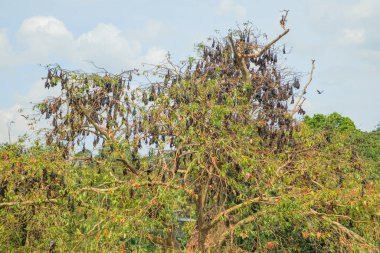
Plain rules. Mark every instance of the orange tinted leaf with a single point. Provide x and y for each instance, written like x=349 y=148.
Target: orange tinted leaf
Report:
x=271 y=245
x=243 y=235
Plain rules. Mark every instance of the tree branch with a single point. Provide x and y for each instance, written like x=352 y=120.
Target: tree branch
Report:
x=86 y=235
x=298 y=103
x=242 y=222
x=54 y=201
x=240 y=60
x=345 y=230
x=91 y=120
x=266 y=47
x=244 y=204
x=135 y=185
x=133 y=170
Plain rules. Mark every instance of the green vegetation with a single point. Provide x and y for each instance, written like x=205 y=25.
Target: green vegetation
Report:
x=332 y=122
x=206 y=158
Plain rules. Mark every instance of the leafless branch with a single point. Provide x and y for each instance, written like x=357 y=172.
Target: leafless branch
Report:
x=299 y=103
x=267 y=46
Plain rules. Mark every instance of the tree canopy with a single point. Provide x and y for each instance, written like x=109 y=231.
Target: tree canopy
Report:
x=201 y=156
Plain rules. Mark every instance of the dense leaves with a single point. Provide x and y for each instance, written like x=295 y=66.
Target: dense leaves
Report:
x=207 y=157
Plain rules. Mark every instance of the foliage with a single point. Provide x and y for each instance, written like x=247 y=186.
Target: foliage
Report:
x=369 y=145
x=332 y=122
x=206 y=158
x=377 y=128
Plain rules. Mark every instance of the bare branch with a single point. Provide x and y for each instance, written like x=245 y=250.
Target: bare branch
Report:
x=284 y=19
x=240 y=59
x=266 y=47
x=299 y=103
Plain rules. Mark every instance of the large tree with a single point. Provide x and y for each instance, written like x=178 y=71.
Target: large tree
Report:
x=207 y=157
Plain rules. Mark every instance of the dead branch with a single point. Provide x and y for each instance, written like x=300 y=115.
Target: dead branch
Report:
x=266 y=47
x=299 y=103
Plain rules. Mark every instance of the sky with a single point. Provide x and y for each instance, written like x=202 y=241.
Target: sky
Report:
x=341 y=35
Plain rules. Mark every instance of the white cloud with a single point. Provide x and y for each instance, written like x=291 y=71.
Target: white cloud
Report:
x=23 y=106
x=107 y=45
x=44 y=25
x=373 y=57
x=155 y=56
x=45 y=39
x=362 y=9
x=5 y=50
x=353 y=36
x=227 y=7
x=8 y=115
x=36 y=93
x=153 y=28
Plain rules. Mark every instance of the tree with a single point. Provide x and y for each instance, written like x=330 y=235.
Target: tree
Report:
x=332 y=122
x=209 y=148
x=33 y=195
x=377 y=129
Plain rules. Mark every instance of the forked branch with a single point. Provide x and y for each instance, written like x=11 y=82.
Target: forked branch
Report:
x=267 y=46
x=241 y=205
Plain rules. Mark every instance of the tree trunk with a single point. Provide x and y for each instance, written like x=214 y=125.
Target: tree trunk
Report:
x=206 y=241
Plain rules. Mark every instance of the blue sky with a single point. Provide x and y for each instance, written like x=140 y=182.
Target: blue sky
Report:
x=341 y=35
